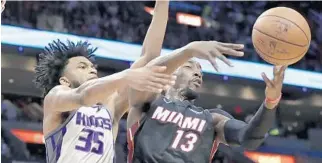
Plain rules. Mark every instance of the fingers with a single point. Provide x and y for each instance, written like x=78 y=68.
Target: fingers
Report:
x=164 y=76
x=164 y=82
x=161 y=81
x=268 y=82
x=230 y=51
x=282 y=70
x=156 y=80
x=217 y=54
x=225 y=60
x=158 y=68
x=232 y=46
x=279 y=72
x=212 y=60
x=152 y=89
x=155 y=86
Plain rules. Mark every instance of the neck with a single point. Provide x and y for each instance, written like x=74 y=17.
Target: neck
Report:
x=174 y=94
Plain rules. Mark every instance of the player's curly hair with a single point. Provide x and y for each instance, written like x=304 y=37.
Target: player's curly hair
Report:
x=53 y=60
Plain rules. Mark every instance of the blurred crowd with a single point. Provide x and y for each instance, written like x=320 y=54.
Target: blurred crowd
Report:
x=127 y=21
x=21 y=109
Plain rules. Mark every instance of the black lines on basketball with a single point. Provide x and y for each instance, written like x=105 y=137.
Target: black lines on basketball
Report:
x=278 y=38
x=290 y=22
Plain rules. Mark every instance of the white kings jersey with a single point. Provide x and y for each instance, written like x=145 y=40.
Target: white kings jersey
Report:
x=85 y=137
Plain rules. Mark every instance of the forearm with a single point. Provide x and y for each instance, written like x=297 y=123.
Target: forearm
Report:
x=154 y=37
x=250 y=135
x=152 y=44
x=173 y=60
x=98 y=90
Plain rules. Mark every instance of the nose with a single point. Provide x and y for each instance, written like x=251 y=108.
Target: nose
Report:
x=93 y=71
x=196 y=74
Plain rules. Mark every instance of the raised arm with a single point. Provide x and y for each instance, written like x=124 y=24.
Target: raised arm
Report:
x=151 y=49
x=154 y=37
x=252 y=135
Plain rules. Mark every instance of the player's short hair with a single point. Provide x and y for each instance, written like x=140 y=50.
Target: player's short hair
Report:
x=54 y=58
x=179 y=68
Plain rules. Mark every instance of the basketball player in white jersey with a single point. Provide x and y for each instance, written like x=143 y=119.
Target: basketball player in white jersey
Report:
x=82 y=111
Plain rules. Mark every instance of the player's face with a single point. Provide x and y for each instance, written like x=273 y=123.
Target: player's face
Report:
x=189 y=76
x=78 y=71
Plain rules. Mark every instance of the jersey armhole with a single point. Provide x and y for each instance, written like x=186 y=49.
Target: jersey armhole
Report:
x=214 y=149
x=131 y=131
x=68 y=119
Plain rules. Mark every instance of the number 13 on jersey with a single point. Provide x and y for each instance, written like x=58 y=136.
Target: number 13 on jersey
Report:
x=184 y=141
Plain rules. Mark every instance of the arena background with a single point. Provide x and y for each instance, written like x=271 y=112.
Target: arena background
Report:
x=118 y=29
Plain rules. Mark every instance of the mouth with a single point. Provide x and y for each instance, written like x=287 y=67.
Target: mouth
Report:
x=93 y=77
x=197 y=82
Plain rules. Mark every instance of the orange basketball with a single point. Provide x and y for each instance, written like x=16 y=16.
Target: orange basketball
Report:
x=281 y=36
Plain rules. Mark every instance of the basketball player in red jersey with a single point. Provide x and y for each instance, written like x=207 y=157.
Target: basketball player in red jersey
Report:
x=82 y=111
x=171 y=128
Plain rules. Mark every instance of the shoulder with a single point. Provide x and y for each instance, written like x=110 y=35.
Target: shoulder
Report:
x=53 y=93
x=221 y=112
x=56 y=90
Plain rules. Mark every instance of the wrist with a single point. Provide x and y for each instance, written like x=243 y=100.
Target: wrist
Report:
x=188 y=50
x=271 y=103
x=125 y=76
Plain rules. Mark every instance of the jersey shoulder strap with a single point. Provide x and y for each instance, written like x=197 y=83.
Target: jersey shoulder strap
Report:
x=222 y=112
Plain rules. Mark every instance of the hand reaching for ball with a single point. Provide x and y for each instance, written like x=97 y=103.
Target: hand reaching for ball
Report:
x=273 y=89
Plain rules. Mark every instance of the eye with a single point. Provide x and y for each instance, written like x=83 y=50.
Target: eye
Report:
x=82 y=66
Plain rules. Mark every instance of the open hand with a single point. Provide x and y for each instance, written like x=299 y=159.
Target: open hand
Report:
x=150 y=79
x=210 y=50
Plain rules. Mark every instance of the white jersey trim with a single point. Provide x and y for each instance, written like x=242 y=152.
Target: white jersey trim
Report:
x=68 y=119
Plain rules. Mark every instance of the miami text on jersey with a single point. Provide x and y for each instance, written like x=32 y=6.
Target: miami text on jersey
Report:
x=167 y=116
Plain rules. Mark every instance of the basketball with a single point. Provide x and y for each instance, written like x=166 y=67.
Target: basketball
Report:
x=281 y=36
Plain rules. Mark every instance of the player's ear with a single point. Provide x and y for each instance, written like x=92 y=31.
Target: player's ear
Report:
x=64 y=81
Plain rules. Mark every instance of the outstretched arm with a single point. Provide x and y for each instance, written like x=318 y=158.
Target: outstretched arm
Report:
x=151 y=49
x=234 y=132
x=62 y=98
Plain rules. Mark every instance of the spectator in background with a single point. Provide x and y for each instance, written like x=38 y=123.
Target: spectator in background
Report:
x=14 y=146
x=127 y=21
x=9 y=111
